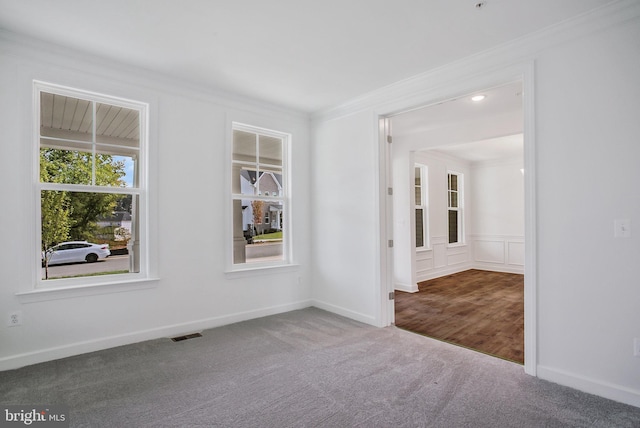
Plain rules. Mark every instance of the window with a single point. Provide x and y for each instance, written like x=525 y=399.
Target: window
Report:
x=455 y=199
x=91 y=186
x=259 y=195
x=421 y=206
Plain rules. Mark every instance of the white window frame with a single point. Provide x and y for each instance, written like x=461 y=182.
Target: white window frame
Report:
x=424 y=206
x=459 y=209
x=141 y=191
x=284 y=198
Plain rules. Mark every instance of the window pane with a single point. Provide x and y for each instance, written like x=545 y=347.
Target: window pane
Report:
x=453 y=182
x=65 y=166
x=244 y=180
x=76 y=167
x=453 y=226
x=104 y=220
x=244 y=146
x=126 y=164
x=270 y=150
x=419 y=228
x=262 y=225
x=271 y=181
x=453 y=199
x=417 y=176
x=66 y=118
x=117 y=125
x=418 y=195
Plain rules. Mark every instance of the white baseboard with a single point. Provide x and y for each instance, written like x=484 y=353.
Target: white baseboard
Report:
x=407 y=288
x=49 y=354
x=367 y=319
x=498 y=268
x=440 y=272
x=590 y=386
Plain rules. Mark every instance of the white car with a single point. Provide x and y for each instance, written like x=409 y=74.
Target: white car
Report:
x=76 y=251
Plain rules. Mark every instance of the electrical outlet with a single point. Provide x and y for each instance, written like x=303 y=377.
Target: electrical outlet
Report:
x=15 y=319
x=636 y=347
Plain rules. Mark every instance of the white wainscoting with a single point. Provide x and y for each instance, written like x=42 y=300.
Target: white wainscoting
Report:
x=486 y=252
x=441 y=259
x=498 y=253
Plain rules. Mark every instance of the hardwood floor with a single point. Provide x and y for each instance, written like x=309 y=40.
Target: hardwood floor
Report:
x=476 y=309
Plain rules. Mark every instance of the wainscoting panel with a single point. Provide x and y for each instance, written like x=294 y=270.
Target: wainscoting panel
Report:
x=489 y=251
x=441 y=260
x=424 y=262
x=439 y=255
x=498 y=253
x=516 y=254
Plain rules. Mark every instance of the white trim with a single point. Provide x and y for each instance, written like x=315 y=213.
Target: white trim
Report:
x=90 y=283
x=460 y=195
x=530 y=223
x=285 y=199
x=590 y=385
x=424 y=206
x=72 y=349
x=84 y=290
x=482 y=72
x=384 y=275
x=255 y=269
x=345 y=312
x=407 y=288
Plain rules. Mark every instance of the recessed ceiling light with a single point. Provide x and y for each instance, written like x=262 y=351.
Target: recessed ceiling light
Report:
x=477 y=98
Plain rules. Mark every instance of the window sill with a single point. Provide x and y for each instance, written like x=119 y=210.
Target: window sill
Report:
x=67 y=292
x=458 y=245
x=259 y=270
x=422 y=249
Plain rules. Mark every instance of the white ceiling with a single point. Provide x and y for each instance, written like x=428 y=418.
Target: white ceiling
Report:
x=470 y=130
x=507 y=147
x=302 y=54
x=460 y=111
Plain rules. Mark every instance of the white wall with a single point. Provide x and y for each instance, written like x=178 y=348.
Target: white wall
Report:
x=586 y=157
x=588 y=134
x=189 y=128
x=343 y=189
x=442 y=258
x=497 y=223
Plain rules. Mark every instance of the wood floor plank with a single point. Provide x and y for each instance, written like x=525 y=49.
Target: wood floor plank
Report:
x=476 y=309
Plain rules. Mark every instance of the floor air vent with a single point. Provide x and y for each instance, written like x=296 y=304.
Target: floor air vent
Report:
x=185 y=337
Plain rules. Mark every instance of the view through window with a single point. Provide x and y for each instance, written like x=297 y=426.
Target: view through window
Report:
x=259 y=196
x=455 y=207
x=421 y=201
x=90 y=183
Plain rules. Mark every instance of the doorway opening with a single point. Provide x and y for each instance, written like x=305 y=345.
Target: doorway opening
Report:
x=459 y=220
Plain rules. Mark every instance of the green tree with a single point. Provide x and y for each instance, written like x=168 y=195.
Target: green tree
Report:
x=70 y=215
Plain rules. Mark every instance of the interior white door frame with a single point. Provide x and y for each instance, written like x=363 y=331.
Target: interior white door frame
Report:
x=523 y=72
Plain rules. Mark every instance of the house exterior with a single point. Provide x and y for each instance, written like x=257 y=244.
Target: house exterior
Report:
x=270 y=184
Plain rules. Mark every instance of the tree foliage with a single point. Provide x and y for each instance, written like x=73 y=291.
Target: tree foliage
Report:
x=258 y=212
x=68 y=215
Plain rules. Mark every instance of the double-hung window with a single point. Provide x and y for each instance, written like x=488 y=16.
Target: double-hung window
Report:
x=455 y=207
x=260 y=197
x=421 y=206
x=91 y=188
